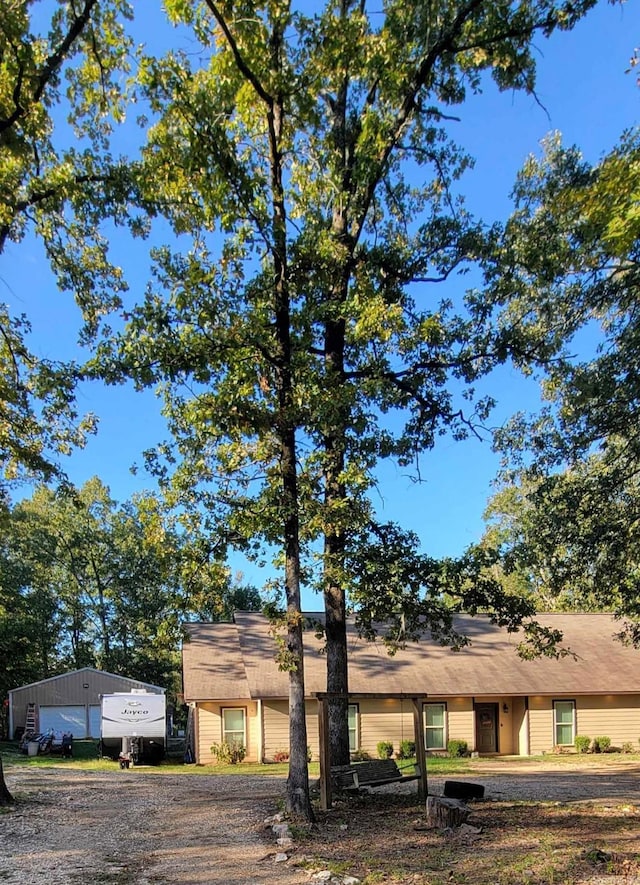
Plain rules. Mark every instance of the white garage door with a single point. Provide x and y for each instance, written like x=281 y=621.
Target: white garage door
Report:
x=73 y=719
x=94 y=721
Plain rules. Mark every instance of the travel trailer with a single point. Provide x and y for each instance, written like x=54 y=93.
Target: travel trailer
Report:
x=133 y=727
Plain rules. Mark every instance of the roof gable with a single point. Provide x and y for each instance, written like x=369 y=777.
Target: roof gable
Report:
x=212 y=663
x=243 y=655
x=157 y=688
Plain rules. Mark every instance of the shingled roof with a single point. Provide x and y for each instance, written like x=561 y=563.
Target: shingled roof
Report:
x=224 y=661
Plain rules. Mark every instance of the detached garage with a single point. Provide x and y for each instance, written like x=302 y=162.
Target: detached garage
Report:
x=68 y=703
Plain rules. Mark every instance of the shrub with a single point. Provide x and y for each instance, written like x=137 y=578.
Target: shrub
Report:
x=385 y=749
x=230 y=754
x=456 y=747
x=281 y=756
x=601 y=744
x=627 y=747
x=360 y=756
x=582 y=743
x=407 y=750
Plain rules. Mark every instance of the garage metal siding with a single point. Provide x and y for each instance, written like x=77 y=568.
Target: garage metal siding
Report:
x=69 y=690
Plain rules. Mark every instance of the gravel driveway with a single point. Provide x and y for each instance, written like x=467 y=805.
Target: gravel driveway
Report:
x=135 y=827
x=607 y=784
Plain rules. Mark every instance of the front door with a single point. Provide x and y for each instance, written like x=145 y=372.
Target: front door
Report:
x=487 y=728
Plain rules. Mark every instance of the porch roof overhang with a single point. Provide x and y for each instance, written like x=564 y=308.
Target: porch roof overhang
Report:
x=372 y=695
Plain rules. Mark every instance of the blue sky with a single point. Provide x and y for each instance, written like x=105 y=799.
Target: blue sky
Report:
x=585 y=94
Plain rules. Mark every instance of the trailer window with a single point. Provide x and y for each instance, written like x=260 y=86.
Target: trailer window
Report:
x=234 y=726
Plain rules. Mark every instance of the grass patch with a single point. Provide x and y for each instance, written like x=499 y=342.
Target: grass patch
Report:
x=449 y=765
x=85 y=756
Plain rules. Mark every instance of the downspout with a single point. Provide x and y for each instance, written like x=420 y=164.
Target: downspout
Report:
x=260 y=732
x=195 y=730
x=526 y=749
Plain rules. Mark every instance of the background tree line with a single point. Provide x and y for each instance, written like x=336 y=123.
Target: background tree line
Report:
x=88 y=582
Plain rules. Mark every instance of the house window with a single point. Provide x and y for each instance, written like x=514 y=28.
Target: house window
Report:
x=353 y=727
x=435 y=731
x=234 y=729
x=564 y=722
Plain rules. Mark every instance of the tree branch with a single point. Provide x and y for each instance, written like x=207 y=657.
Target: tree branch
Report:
x=48 y=70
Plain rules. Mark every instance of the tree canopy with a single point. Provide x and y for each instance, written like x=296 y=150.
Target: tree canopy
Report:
x=571 y=251
x=58 y=181
x=88 y=582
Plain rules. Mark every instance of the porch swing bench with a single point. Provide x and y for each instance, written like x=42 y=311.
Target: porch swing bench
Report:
x=372 y=773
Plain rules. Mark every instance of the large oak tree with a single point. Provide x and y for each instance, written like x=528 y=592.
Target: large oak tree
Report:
x=303 y=320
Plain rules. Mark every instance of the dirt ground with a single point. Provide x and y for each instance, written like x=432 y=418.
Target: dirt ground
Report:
x=539 y=824
x=136 y=827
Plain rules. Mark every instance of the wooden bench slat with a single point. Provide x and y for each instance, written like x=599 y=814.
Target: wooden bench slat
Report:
x=375 y=772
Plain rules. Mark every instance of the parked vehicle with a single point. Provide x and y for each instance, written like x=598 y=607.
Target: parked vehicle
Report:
x=133 y=727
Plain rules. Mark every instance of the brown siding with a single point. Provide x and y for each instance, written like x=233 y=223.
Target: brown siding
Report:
x=69 y=690
x=313 y=731
x=540 y=725
x=520 y=726
x=520 y=731
x=616 y=716
x=209 y=730
x=460 y=719
x=276 y=727
x=379 y=720
x=384 y=720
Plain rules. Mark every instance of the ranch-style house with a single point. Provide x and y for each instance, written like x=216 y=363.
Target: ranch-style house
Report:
x=484 y=694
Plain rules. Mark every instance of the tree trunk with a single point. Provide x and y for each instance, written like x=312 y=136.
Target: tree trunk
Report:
x=5 y=796
x=336 y=496
x=443 y=813
x=337 y=673
x=298 y=799
x=334 y=551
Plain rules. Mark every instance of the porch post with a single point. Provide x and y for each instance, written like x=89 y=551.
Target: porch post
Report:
x=325 y=757
x=421 y=756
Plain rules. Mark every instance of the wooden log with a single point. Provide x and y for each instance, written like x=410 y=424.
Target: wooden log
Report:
x=443 y=812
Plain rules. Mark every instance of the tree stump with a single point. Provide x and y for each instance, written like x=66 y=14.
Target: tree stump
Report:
x=443 y=812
